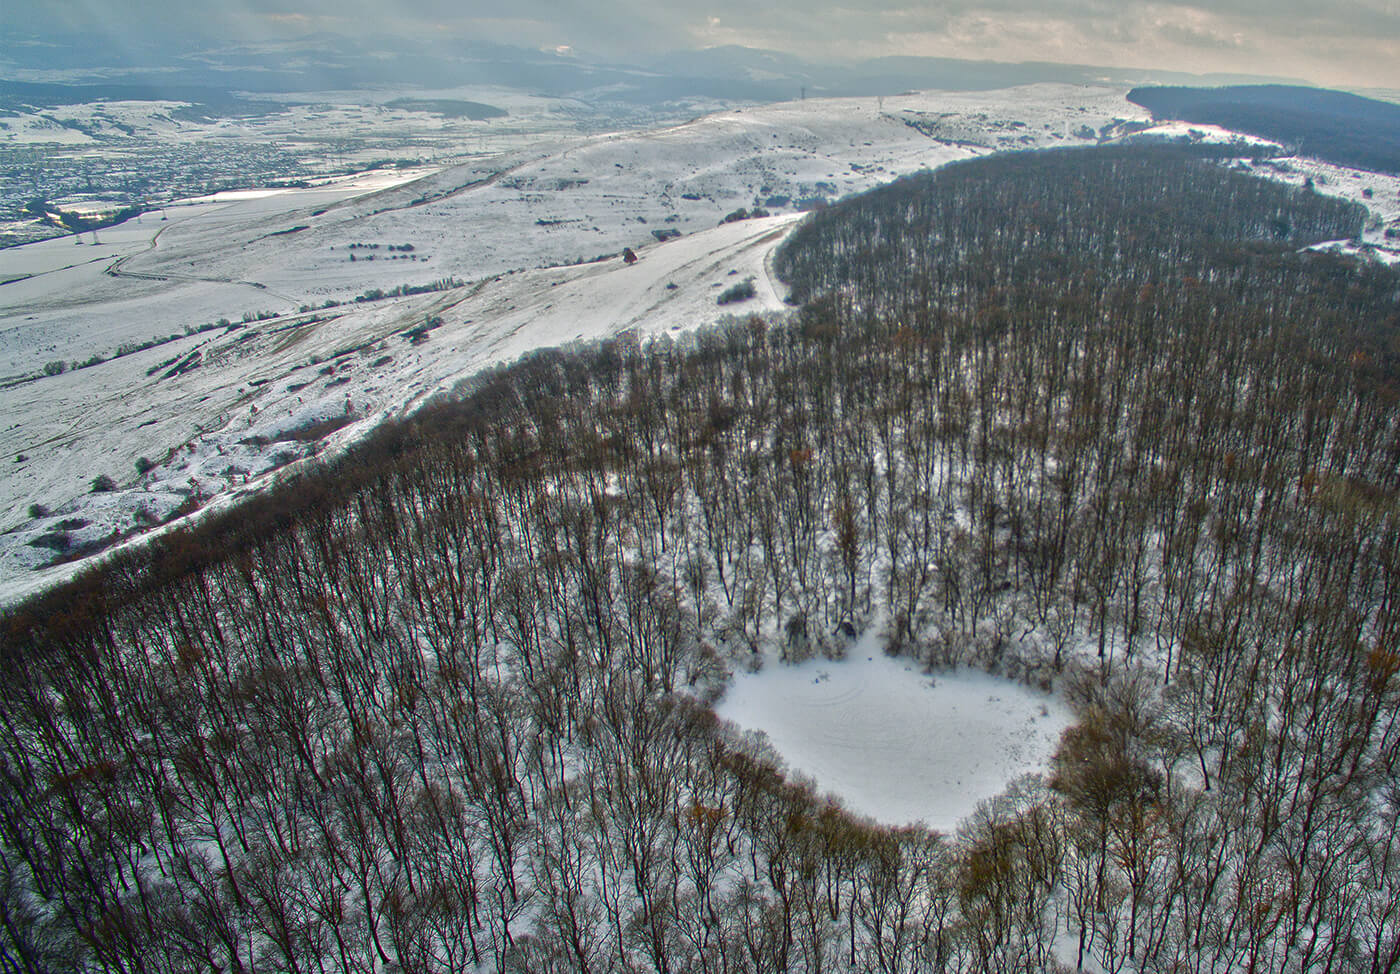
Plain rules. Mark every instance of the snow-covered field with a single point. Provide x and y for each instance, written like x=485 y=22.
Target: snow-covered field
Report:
x=533 y=234
x=552 y=203
x=247 y=393
x=894 y=743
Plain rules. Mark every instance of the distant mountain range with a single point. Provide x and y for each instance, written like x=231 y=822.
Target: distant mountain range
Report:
x=325 y=62
x=890 y=75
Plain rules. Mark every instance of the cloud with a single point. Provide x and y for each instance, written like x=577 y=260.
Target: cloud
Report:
x=299 y=22
x=1188 y=35
x=1344 y=41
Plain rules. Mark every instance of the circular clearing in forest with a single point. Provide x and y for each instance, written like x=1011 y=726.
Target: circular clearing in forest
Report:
x=894 y=743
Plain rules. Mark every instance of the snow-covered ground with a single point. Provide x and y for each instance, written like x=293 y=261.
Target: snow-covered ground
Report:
x=1380 y=194
x=554 y=202
x=522 y=229
x=236 y=412
x=59 y=299
x=894 y=743
x=105 y=155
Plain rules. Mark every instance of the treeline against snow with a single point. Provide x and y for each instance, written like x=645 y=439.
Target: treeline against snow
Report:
x=1335 y=126
x=1076 y=418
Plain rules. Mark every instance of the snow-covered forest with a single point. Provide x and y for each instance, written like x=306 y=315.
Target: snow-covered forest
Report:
x=1093 y=420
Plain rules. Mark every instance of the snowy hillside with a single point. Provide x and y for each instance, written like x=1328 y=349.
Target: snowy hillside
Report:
x=523 y=248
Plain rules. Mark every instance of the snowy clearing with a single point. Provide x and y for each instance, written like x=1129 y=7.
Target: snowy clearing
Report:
x=894 y=743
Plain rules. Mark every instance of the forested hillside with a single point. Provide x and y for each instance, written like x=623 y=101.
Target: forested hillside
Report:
x=1332 y=125
x=1088 y=419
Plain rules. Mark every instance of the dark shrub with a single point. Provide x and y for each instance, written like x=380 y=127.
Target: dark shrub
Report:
x=739 y=292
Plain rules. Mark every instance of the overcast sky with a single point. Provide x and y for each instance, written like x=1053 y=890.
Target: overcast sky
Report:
x=1349 y=43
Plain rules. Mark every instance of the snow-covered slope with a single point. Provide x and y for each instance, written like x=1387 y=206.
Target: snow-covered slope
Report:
x=215 y=410
x=549 y=204
x=209 y=414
